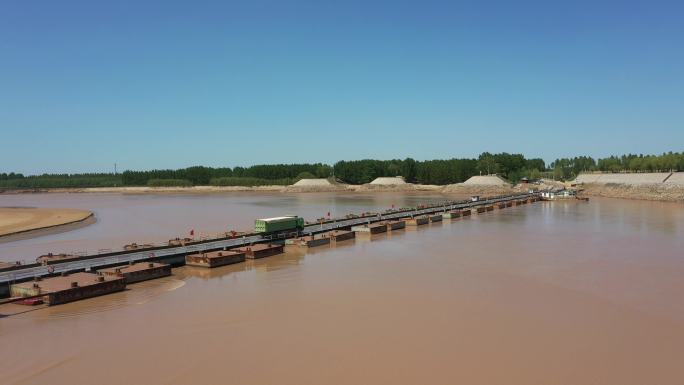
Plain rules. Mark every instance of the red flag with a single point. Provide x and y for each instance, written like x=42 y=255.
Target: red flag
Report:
x=328 y=213
x=192 y=232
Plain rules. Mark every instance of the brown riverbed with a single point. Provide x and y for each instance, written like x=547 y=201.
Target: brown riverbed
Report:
x=549 y=293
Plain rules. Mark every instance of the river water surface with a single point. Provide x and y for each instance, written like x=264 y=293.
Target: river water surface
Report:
x=145 y=218
x=548 y=293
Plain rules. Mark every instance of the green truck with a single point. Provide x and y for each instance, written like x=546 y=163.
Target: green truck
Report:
x=277 y=224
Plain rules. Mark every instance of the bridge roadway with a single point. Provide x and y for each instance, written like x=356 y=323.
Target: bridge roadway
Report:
x=126 y=257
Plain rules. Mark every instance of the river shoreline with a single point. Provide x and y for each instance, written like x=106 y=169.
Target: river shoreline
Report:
x=229 y=189
x=660 y=193
x=367 y=188
x=654 y=192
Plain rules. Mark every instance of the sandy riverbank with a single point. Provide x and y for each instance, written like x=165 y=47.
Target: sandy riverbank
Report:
x=666 y=187
x=649 y=192
x=26 y=222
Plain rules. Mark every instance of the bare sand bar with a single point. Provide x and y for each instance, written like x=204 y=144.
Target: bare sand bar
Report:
x=22 y=222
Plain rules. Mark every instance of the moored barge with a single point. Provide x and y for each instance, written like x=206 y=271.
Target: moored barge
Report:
x=215 y=258
x=68 y=287
x=138 y=272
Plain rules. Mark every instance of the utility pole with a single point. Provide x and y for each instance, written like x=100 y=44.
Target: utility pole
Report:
x=114 y=168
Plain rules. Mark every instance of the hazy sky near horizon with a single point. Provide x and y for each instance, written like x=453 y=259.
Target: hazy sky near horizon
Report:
x=168 y=84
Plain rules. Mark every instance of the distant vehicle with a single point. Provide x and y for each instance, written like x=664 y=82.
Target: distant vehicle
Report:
x=475 y=198
x=278 y=224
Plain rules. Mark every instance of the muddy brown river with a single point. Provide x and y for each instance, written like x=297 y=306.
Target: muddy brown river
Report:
x=549 y=293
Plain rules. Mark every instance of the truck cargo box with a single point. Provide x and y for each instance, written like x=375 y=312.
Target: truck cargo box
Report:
x=269 y=225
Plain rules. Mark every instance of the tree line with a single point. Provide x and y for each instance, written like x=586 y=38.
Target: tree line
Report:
x=19 y=181
x=200 y=175
x=438 y=171
x=425 y=172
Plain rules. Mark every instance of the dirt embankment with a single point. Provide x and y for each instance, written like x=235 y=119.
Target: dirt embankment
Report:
x=25 y=222
x=651 y=192
x=667 y=186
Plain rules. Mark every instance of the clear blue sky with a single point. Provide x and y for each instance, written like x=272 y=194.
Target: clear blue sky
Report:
x=168 y=84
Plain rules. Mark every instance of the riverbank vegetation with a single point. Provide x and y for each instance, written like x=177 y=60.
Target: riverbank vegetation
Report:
x=439 y=171
x=19 y=181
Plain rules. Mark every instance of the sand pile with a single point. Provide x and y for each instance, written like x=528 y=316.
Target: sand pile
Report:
x=486 y=185
x=480 y=189
x=389 y=181
x=316 y=185
x=652 y=192
x=394 y=184
x=486 y=180
x=313 y=182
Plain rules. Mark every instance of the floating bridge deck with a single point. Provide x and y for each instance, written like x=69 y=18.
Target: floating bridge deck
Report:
x=176 y=254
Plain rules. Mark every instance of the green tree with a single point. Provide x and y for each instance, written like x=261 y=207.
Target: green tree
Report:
x=305 y=175
x=486 y=164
